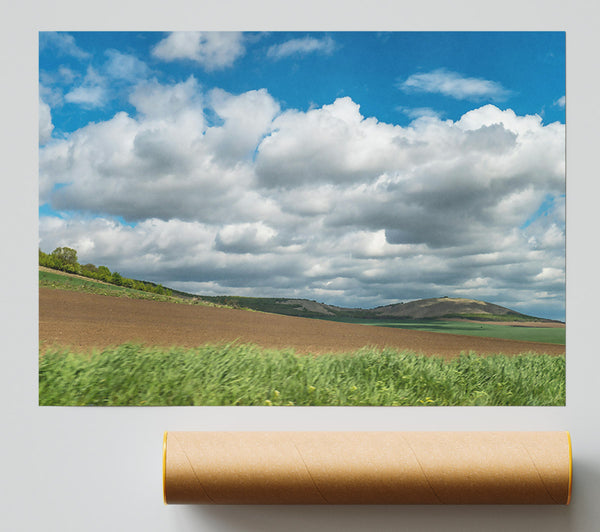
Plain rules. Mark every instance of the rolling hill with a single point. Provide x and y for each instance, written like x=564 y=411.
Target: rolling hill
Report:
x=432 y=308
x=446 y=307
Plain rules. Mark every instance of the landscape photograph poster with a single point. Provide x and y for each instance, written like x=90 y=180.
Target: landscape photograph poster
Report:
x=302 y=218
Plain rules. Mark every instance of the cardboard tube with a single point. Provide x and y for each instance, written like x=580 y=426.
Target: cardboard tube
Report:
x=367 y=467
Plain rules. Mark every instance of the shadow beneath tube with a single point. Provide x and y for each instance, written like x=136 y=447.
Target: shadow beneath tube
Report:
x=582 y=515
x=308 y=518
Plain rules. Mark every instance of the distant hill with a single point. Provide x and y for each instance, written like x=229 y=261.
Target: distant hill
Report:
x=450 y=307
x=289 y=307
x=433 y=308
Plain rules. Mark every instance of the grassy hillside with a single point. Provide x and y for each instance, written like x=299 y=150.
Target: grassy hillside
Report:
x=288 y=307
x=64 y=281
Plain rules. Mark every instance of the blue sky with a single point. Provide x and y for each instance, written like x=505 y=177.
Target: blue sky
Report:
x=353 y=168
x=528 y=67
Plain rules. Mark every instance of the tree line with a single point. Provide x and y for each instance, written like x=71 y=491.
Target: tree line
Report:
x=65 y=259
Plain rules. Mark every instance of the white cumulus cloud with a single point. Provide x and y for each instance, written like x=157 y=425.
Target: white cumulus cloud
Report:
x=245 y=237
x=167 y=162
x=212 y=49
x=45 y=123
x=455 y=85
x=334 y=143
x=301 y=46
x=561 y=102
x=246 y=119
x=92 y=92
x=232 y=195
x=63 y=43
x=124 y=66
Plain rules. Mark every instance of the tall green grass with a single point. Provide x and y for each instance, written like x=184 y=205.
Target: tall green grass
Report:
x=248 y=375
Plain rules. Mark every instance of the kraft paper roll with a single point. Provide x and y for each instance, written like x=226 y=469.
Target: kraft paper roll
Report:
x=367 y=467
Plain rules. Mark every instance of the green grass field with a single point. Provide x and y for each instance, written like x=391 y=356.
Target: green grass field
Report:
x=69 y=282
x=77 y=284
x=510 y=332
x=247 y=375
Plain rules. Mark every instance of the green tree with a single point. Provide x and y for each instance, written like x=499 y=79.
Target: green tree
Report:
x=104 y=273
x=128 y=283
x=89 y=267
x=45 y=259
x=116 y=279
x=65 y=255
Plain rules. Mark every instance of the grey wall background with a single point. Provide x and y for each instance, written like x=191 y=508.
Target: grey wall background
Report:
x=98 y=469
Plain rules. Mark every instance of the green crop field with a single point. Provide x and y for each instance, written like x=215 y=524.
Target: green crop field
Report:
x=553 y=335
x=247 y=375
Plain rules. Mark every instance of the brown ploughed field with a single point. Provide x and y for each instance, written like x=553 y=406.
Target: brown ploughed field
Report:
x=84 y=322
